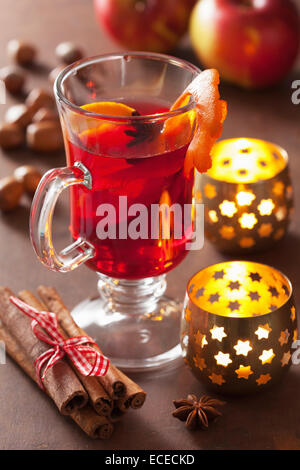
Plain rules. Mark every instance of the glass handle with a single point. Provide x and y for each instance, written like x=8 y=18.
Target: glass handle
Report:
x=51 y=186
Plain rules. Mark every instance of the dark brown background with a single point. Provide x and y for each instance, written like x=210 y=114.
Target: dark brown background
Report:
x=28 y=420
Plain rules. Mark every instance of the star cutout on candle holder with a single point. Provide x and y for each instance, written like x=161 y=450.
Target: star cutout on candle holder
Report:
x=265 y=230
x=267 y=356
x=198 y=196
x=245 y=198
x=279 y=234
x=214 y=298
x=185 y=339
x=255 y=277
x=289 y=192
x=191 y=288
x=263 y=379
x=199 y=362
x=217 y=378
x=285 y=359
x=228 y=208
x=295 y=334
x=263 y=331
x=210 y=191
x=266 y=207
x=217 y=332
x=254 y=295
x=187 y=314
x=248 y=220
x=243 y=372
x=272 y=308
x=293 y=313
x=234 y=285
x=219 y=274
x=281 y=213
x=247 y=242
x=242 y=347
x=213 y=217
x=227 y=232
x=223 y=359
x=273 y=291
x=200 y=292
x=200 y=339
x=284 y=337
x=278 y=188
x=234 y=305
x=286 y=290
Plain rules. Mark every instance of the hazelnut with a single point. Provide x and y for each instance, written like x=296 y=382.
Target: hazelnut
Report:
x=11 y=136
x=45 y=114
x=67 y=52
x=21 y=52
x=11 y=191
x=45 y=136
x=13 y=78
x=29 y=176
x=54 y=73
x=18 y=114
x=39 y=98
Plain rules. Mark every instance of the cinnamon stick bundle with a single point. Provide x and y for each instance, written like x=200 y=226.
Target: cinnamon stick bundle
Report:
x=125 y=392
x=100 y=400
x=113 y=381
x=91 y=423
x=61 y=383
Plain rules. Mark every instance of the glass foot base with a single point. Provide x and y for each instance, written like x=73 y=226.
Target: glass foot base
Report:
x=133 y=341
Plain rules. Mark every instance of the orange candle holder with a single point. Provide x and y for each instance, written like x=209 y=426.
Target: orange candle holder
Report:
x=247 y=195
x=238 y=326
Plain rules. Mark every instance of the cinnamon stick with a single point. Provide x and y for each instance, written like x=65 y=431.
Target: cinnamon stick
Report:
x=97 y=427
x=92 y=424
x=113 y=381
x=99 y=399
x=117 y=413
x=15 y=352
x=134 y=397
x=60 y=382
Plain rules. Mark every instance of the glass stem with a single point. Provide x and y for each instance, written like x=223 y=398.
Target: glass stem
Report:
x=134 y=296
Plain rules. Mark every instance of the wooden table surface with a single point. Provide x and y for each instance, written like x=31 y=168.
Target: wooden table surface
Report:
x=29 y=420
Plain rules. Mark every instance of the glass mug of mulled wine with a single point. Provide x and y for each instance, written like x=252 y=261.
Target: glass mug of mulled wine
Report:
x=125 y=153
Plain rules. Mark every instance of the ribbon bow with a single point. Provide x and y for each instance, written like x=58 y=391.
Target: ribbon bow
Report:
x=87 y=360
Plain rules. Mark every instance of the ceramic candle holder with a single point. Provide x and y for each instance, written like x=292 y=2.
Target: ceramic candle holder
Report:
x=247 y=195
x=238 y=325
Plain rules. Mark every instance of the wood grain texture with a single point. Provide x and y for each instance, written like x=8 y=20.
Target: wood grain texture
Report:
x=28 y=419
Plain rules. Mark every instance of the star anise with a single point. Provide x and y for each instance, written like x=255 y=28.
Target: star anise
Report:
x=197 y=412
x=142 y=132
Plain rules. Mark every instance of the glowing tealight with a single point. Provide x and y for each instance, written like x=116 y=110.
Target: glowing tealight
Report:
x=242 y=328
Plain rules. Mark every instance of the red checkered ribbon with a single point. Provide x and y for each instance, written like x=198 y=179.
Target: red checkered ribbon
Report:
x=87 y=360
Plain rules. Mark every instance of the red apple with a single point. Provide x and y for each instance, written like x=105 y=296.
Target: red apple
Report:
x=252 y=43
x=149 y=25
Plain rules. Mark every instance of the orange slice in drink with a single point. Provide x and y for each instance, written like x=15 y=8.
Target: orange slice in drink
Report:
x=211 y=113
x=101 y=135
x=109 y=108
